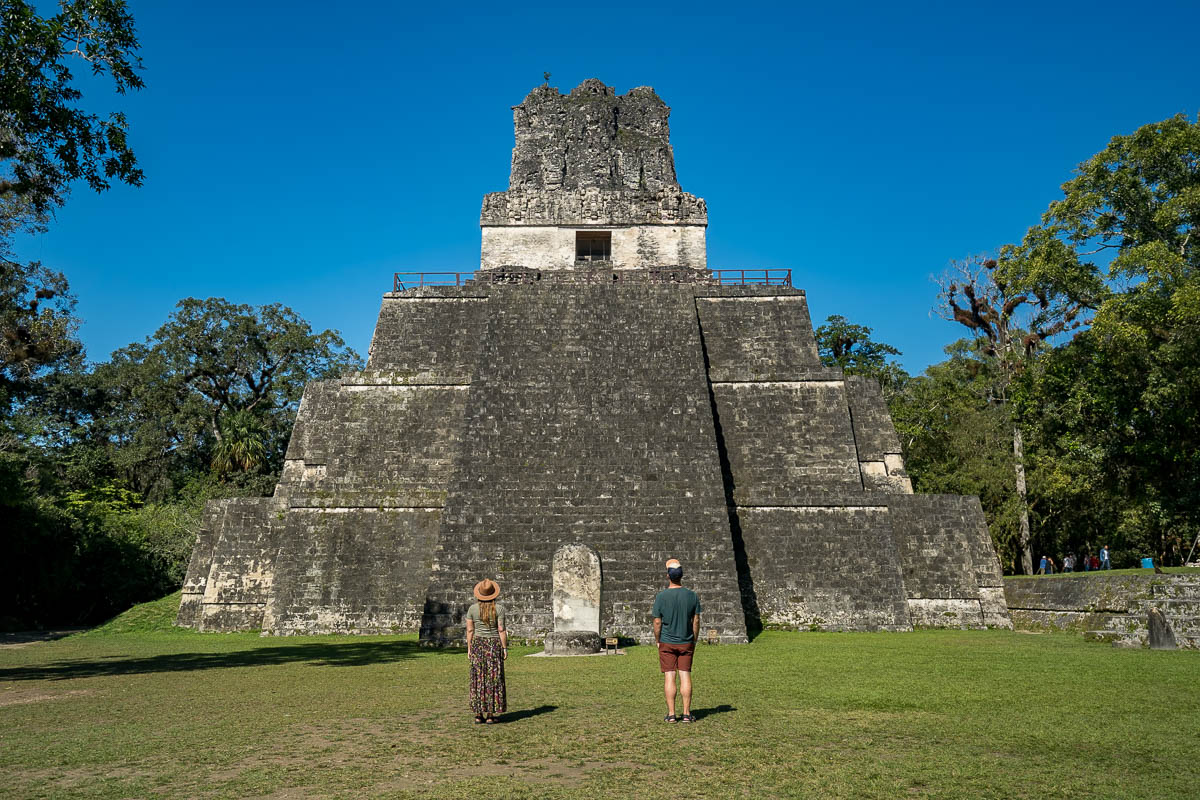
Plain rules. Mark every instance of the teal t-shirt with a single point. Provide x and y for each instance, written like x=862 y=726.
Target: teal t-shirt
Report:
x=676 y=607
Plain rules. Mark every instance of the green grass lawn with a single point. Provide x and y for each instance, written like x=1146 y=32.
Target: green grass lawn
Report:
x=136 y=710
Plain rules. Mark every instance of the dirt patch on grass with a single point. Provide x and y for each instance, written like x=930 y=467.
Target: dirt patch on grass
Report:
x=21 y=695
x=551 y=770
x=569 y=773
x=73 y=779
x=342 y=743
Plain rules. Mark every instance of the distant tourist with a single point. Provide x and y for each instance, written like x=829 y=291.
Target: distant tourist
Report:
x=1042 y=566
x=676 y=615
x=1068 y=563
x=1104 y=562
x=487 y=648
x=1049 y=565
x=1087 y=562
x=1094 y=561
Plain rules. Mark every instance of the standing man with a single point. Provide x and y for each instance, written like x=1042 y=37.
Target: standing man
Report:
x=676 y=628
x=1104 y=562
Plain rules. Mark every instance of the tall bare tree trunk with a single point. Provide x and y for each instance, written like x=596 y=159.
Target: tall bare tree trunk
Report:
x=1022 y=505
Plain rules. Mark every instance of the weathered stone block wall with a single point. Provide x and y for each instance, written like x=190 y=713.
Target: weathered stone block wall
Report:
x=1107 y=607
x=368 y=467
x=824 y=568
x=429 y=335
x=934 y=552
x=634 y=247
x=754 y=333
x=192 y=602
x=360 y=444
x=880 y=458
x=588 y=422
x=353 y=521
x=352 y=570
x=786 y=440
x=592 y=138
x=241 y=567
x=582 y=207
x=1118 y=594
x=808 y=453
x=988 y=573
x=948 y=561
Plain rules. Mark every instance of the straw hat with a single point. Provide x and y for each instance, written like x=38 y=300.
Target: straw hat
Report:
x=487 y=589
x=673 y=563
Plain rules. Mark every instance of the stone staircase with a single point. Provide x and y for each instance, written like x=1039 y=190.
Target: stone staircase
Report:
x=588 y=422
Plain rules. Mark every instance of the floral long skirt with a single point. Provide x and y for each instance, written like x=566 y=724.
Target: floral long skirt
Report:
x=487 y=677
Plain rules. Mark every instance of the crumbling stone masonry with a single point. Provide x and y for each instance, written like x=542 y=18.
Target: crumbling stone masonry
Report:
x=593 y=385
x=1107 y=607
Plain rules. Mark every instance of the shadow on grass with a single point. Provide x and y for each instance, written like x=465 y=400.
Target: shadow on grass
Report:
x=29 y=637
x=517 y=716
x=318 y=654
x=701 y=713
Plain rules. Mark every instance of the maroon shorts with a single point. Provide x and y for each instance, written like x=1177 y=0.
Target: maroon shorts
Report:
x=673 y=657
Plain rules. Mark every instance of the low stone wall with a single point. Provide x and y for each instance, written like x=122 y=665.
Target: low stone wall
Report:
x=1110 y=608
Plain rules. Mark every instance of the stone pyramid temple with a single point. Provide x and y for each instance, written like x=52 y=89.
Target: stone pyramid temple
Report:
x=593 y=383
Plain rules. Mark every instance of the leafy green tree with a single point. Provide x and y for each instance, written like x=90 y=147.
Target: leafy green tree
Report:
x=41 y=358
x=1124 y=243
x=1130 y=212
x=38 y=326
x=841 y=343
x=46 y=140
x=1063 y=404
x=216 y=386
x=1009 y=328
x=104 y=513
x=77 y=544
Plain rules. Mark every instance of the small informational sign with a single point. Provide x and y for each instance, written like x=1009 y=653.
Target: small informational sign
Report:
x=610 y=644
x=714 y=637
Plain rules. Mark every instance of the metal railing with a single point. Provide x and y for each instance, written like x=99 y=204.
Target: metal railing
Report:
x=413 y=280
x=402 y=281
x=753 y=277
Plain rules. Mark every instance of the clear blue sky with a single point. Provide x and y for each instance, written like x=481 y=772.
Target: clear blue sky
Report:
x=302 y=152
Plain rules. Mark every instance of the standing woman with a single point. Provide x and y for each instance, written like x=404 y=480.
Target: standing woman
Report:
x=487 y=647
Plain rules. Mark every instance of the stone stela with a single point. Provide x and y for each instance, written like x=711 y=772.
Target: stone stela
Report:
x=593 y=396
x=575 y=596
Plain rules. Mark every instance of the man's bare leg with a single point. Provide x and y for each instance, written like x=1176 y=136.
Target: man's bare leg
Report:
x=669 y=691
x=685 y=688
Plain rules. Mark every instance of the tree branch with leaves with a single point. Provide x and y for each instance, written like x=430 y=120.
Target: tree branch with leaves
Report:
x=1009 y=328
x=47 y=141
x=841 y=343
